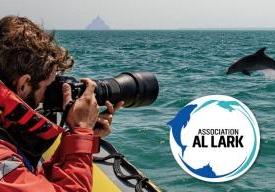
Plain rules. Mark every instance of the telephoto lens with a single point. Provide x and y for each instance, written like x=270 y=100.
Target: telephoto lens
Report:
x=134 y=88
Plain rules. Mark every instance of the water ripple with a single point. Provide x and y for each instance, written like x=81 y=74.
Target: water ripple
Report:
x=188 y=64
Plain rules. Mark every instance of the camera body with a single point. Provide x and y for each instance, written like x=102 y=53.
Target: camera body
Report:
x=135 y=89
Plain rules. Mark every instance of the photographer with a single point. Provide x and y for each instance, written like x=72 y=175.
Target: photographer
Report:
x=30 y=59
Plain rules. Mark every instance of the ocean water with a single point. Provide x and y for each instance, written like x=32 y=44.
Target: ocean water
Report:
x=188 y=65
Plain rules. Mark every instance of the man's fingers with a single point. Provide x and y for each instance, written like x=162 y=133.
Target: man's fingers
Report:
x=67 y=94
x=103 y=122
x=110 y=107
x=106 y=116
x=118 y=105
x=105 y=128
x=90 y=87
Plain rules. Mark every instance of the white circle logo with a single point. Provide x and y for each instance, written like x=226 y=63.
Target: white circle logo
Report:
x=215 y=138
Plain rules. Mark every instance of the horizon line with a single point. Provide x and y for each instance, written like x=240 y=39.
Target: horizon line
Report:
x=169 y=29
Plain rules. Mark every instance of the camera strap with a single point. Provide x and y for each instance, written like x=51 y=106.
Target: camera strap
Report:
x=65 y=112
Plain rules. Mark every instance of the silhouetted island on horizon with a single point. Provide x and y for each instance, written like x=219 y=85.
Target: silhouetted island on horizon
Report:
x=98 y=24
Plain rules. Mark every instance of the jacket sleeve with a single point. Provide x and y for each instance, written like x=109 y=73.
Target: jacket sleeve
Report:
x=70 y=169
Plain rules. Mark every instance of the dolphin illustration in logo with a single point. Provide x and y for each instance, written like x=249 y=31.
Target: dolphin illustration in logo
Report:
x=254 y=62
x=180 y=122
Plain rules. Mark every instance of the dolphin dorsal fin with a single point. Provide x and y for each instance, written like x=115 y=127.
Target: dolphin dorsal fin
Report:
x=261 y=51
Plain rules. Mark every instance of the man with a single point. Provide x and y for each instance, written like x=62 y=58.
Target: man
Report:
x=30 y=59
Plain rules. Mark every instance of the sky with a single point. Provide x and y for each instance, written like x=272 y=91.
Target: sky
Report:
x=145 y=14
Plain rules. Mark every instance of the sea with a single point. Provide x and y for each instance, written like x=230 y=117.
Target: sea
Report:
x=188 y=64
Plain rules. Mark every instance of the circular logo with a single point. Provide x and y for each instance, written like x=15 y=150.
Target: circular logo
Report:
x=215 y=138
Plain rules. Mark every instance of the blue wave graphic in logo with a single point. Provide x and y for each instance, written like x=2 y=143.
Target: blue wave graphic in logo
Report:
x=228 y=105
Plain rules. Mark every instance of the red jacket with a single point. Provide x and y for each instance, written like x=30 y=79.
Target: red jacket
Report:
x=70 y=169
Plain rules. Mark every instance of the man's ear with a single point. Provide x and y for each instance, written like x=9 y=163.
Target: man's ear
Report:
x=23 y=86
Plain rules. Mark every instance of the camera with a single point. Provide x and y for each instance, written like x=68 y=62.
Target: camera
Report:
x=134 y=88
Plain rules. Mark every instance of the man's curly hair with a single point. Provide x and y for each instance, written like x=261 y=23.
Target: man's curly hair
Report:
x=25 y=48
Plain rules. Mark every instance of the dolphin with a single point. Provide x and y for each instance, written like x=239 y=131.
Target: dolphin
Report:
x=254 y=62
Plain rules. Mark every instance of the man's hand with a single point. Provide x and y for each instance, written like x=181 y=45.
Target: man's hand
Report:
x=105 y=119
x=84 y=112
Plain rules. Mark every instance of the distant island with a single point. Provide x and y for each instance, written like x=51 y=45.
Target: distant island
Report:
x=98 y=24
